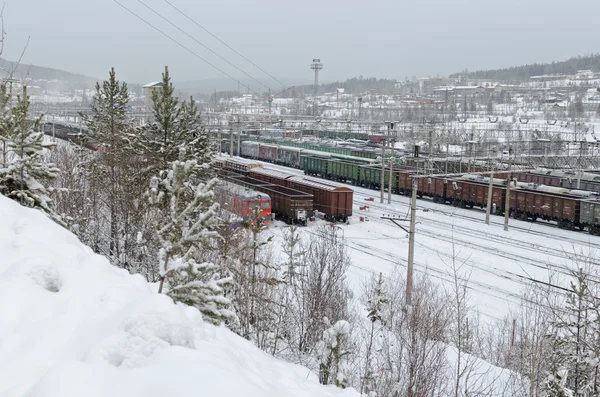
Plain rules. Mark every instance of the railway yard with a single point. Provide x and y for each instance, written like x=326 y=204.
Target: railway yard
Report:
x=543 y=242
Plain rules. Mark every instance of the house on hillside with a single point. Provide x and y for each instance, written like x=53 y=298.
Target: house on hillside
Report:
x=149 y=89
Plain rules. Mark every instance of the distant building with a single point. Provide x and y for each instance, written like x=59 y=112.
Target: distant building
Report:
x=459 y=90
x=149 y=89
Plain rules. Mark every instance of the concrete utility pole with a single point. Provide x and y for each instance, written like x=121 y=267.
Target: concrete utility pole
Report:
x=411 y=240
x=507 y=200
x=220 y=141
x=392 y=141
x=382 y=179
x=231 y=139
x=489 y=199
x=239 y=138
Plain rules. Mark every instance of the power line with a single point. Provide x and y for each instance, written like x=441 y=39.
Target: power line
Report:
x=225 y=44
x=197 y=41
x=184 y=47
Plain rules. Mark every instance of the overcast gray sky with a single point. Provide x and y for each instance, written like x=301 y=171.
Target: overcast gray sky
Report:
x=380 y=38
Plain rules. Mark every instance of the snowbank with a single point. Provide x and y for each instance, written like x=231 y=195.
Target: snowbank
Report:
x=73 y=325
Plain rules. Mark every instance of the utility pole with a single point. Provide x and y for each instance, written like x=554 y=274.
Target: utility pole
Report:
x=489 y=200
x=231 y=138
x=411 y=242
x=392 y=142
x=507 y=200
x=383 y=143
x=579 y=171
x=411 y=239
x=239 y=137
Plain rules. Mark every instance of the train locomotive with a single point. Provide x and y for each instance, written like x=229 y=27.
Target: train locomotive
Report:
x=243 y=201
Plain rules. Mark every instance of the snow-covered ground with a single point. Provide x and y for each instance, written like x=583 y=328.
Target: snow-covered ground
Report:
x=73 y=325
x=497 y=264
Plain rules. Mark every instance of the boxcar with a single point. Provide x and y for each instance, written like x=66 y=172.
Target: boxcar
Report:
x=563 y=209
x=332 y=200
x=288 y=156
x=589 y=215
x=468 y=193
x=267 y=153
x=250 y=149
x=343 y=171
x=236 y=165
x=539 y=179
x=315 y=166
x=571 y=183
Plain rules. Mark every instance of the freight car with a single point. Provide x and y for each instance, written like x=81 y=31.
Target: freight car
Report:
x=537 y=178
x=334 y=201
x=289 y=205
x=236 y=165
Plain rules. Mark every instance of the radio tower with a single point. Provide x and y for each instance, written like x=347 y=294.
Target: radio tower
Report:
x=316 y=66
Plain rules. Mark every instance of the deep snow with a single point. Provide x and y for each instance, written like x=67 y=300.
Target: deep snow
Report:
x=73 y=325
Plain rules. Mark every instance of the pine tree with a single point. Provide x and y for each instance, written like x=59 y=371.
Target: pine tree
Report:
x=109 y=129
x=574 y=361
x=256 y=287
x=375 y=300
x=174 y=126
x=24 y=169
x=333 y=352
x=185 y=233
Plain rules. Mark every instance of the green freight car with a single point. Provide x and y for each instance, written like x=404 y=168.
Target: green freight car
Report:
x=371 y=177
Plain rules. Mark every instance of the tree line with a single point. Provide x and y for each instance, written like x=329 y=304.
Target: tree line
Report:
x=524 y=72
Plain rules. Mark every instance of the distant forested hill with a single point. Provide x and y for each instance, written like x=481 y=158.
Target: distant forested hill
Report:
x=519 y=73
x=34 y=72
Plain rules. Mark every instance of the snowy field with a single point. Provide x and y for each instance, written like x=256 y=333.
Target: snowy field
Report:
x=497 y=264
x=73 y=325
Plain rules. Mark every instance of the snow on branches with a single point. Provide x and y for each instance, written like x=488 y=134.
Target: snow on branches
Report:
x=23 y=168
x=187 y=219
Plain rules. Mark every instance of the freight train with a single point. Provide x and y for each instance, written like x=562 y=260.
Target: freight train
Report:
x=537 y=198
x=331 y=200
x=569 y=208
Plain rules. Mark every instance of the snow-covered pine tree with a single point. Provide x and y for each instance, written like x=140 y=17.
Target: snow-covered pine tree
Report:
x=21 y=179
x=333 y=351
x=5 y=121
x=375 y=297
x=187 y=228
x=575 y=364
x=112 y=172
x=255 y=292
x=174 y=126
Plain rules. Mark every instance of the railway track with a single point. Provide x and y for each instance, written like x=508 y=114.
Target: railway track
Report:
x=435 y=207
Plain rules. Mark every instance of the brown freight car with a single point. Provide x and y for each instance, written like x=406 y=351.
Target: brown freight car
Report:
x=530 y=204
x=287 y=204
x=538 y=179
x=334 y=200
x=470 y=193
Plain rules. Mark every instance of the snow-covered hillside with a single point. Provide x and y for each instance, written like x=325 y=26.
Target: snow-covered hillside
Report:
x=73 y=325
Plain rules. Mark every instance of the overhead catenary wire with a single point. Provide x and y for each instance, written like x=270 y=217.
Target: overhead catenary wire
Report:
x=225 y=44
x=199 y=42
x=184 y=47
